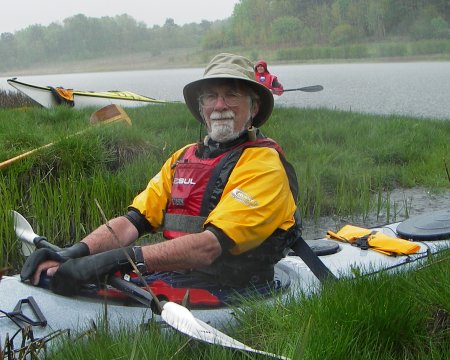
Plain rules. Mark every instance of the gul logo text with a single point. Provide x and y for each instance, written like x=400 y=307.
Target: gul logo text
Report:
x=183 y=181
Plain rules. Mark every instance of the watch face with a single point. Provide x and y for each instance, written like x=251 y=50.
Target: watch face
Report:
x=141 y=267
x=140 y=264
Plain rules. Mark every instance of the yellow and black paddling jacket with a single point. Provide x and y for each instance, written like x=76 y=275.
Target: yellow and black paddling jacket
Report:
x=245 y=193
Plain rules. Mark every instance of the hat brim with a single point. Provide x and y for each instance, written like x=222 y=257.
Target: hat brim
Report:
x=191 y=92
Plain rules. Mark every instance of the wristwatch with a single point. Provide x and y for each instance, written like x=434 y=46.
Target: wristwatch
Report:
x=140 y=263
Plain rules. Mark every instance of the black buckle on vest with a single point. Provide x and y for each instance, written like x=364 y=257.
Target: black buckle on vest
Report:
x=363 y=241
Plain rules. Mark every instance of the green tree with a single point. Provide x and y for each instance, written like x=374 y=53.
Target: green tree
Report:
x=439 y=28
x=343 y=34
x=8 y=50
x=287 y=30
x=31 y=45
x=376 y=18
x=251 y=22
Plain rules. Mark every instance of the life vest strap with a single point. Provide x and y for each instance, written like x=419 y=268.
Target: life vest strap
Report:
x=183 y=223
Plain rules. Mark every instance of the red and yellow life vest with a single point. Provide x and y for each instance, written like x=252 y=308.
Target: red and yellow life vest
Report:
x=193 y=186
x=196 y=190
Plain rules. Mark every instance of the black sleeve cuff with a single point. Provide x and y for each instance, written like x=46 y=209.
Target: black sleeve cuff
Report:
x=225 y=242
x=139 y=221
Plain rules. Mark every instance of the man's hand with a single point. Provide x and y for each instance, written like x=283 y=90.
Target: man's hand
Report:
x=38 y=262
x=47 y=259
x=73 y=273
x=277 y=91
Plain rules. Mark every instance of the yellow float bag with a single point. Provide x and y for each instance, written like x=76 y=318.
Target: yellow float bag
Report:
x=66 y=94
x=348 y=233
x=62 y=96
x=375 y=240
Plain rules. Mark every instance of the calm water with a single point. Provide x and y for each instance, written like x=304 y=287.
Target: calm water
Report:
x=419 y=89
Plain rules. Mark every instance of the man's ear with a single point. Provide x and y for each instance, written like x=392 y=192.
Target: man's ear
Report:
x=200 y=110
x=255 y=109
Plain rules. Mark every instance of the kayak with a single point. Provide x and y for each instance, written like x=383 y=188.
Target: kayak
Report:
x=48 y=96
x=43 y=313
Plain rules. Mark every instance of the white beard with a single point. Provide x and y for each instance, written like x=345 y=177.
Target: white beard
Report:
x=222 y=126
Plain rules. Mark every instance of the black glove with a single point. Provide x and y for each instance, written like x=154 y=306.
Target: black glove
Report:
x=78 y=250
x=75 y=251
x=73 y=273
x=35 y=259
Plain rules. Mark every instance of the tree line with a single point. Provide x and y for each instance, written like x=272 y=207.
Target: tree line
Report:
x=337 y=22
x=274 y=24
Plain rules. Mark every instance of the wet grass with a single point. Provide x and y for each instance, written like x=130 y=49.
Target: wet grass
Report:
x=14 y=99
x=401 y=316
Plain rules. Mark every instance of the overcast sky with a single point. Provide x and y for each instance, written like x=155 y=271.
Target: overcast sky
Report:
x=19 y=14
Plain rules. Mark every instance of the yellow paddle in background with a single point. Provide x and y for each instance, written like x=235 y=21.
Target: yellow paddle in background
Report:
x=106 y=115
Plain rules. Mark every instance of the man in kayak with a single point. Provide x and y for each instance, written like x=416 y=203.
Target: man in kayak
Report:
x=227 y=203
x=263 y=76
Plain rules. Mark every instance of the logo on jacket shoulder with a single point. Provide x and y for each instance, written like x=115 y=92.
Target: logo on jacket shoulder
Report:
x=243 y=197
x=184 y=181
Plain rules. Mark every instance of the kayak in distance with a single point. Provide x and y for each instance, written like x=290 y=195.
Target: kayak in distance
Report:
x=49 y=96
x=30 y=313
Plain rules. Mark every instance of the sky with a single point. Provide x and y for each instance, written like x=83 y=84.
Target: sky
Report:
x=19 y=14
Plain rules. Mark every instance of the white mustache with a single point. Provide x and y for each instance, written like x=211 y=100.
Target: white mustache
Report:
x=222 y=115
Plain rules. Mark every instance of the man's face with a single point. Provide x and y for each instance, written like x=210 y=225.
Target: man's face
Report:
x=227 y=109
x=260 y=69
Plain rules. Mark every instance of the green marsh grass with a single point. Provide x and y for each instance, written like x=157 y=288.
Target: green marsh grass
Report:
x=386 y=316
x=345 y=163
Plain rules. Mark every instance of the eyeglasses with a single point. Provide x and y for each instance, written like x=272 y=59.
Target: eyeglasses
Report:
x=230 y=98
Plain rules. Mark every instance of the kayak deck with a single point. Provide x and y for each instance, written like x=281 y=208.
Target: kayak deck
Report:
x=44 y=96
x=79 y=313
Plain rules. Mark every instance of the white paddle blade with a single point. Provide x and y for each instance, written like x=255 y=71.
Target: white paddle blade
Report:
x=24 y=232
x=27 y=249
x=182 y=320
x=23 y=229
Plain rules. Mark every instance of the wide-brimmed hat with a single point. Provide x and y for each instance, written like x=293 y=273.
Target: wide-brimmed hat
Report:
x=230 y=66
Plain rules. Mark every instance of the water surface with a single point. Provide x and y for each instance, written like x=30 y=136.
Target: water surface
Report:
x=420 y=89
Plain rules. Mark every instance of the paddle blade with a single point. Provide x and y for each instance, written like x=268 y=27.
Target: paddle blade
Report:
x=182 y=320
x=110 y=113
x=24 y=232
x=23 y=229
x=313 y=88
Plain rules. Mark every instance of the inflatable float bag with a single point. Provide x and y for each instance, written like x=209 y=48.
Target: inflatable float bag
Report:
x=390 y=245
x=349 y=233
x=375 y=240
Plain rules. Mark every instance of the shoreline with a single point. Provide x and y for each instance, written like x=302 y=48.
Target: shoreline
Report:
x=147 y=61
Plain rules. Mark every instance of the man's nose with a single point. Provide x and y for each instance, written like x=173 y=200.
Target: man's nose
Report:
x=220 y=103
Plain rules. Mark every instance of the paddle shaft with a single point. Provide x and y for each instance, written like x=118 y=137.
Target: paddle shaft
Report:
x=8 y=162
x=313 y=88
x=108 y=114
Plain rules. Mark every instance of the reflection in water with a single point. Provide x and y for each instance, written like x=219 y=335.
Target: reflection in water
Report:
x=404 y=203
